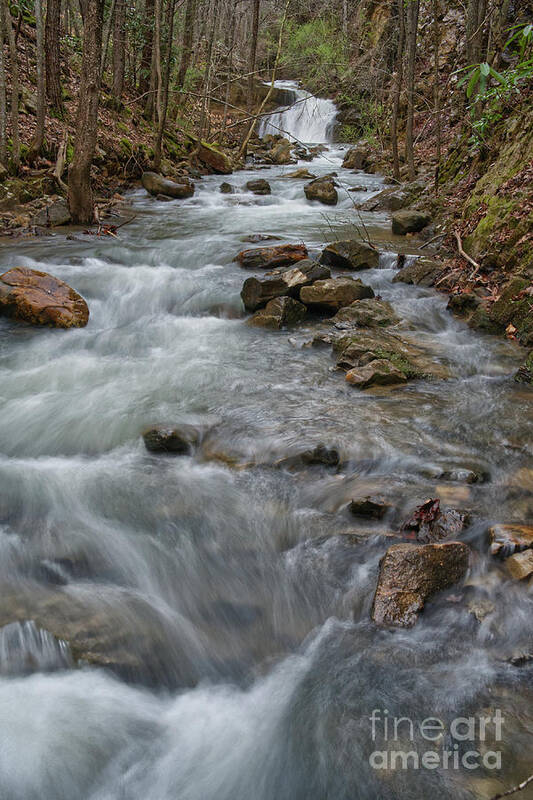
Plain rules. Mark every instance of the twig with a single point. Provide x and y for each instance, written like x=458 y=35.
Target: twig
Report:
x=517 y=788
x=466 y=256
x=433 y=239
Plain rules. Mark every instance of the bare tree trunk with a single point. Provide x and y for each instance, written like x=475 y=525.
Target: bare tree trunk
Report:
x=207 y=83
x=164 y=104
x=107 y=38
x=80 y=196
x=3 y=99
x=53 y=55
x=157 y=79
x=230 y=60
x=398 y=82
x=41 y=86
x=436 y=89
x=475 y=19
x=253 y=52
x=186 y=47
x=119 y=49
x=412 y=28
x=148 y=37
x=8 y=26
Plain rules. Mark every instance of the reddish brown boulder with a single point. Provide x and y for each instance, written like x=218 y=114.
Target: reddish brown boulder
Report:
x=282 y=255
x=410 y=573
x=41 y=299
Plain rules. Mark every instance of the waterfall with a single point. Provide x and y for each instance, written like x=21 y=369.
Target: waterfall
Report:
x=307 y=119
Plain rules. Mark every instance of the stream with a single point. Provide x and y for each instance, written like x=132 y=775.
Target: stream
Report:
x=240 y=660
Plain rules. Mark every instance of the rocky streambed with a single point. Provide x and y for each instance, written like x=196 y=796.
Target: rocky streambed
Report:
x=271 y=485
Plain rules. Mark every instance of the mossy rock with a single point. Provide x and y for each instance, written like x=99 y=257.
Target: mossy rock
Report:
x=508 y=310
x=525 y=373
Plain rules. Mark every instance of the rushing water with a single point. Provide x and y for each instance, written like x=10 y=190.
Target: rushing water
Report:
x=305 y=118
x=235 y=602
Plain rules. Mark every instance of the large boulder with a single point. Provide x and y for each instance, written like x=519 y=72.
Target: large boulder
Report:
x=282 y=255
x=356 y=158
x=214 y=158
x=280 y=152
x=350 y=254
x=175 y=440
x=404 y=222
x=155 y=184
x=55 y=214
x=256 y=293
x=379 y=372
x=369 y=313
x=41 y=299
x=392 y=199
x=420 y=272
x=227 y=188
x=409 y=574
x=259 y=186
x=279 y=313
x=323 y=190
x=334 y=293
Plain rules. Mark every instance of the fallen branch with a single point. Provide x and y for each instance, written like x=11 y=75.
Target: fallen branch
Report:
x=466 y=256
x=514 y=789
x=433 y=239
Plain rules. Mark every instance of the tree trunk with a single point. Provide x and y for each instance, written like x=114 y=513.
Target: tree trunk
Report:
x=8 y=27
x=412 y=28
x=146 y=57
x=231 y=45
x=41 y=87
x=156 y=70
x=3 y=101
x=207 y=83
x=106 y=38
x=80 y=197
x=164 y=100
x=186 y=47
x=53 y=55
x=398 y=82
x=119 y=49
x=253 y=53
x=436 y=89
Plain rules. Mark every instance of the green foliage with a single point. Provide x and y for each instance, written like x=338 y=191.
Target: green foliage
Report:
x=491 y=92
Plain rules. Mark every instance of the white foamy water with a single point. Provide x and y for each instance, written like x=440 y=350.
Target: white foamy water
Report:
x=306 y=119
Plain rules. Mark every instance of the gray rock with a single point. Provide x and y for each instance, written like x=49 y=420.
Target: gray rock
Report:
x=404 y=222
x=178 y=440
x=323 y=190
x=350 y=254
x=334 y=293
x=55 y=214
x=259 y=186
x=256 y=293
x=155 y=184
x=279 y=313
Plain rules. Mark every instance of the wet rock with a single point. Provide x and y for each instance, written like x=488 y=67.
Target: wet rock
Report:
x=377 y=373
x=429 y=523
x=259 y=186
x=214 y=158
x=410 y=574
x=259 y=237
x=256 y=293
x=155 y=184
x=404 y=222
x=520 y=565
x=350 y=254
x=179 y=440
x=356 y=158
x=281 y=152
x=323 y=190
x=302 y=173
x=41 y=299
x=422 y=272
x=459 y=475
x=463 y=302
x=369 y=313
x=369 y=506
x=279 y=313
x=319 y=455
x=282 y=255
x=334 y=293
x=392 y=199
x=53 y=215
x=508 y=539
x=359 y=349
x=227 y=188
x=525 y=372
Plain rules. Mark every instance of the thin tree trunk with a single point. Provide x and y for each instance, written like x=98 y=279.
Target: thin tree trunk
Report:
x=164 y=104
x=3 y=101
x=157 y=79
x=119 y=49
x=253 y=52
x=209 y=59
x=41 y=87
x=107 y=37
x=398 y=82
x=230 y=61
x=80 y=196
x=148 y=37
x=436 y=89
x=412 y=28
x=53 y=55
x=8 y=23
x=186 y=47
